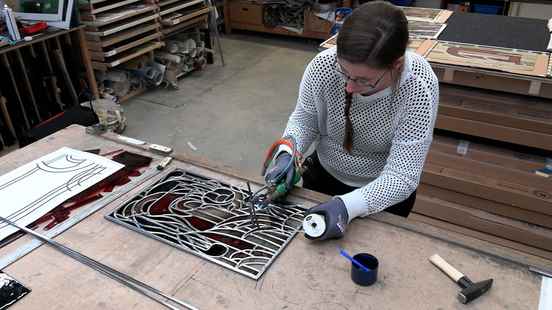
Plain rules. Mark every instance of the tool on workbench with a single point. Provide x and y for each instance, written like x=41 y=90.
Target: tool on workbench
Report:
x=314 y=225
x=344 y=253
x=470 y=290
x=364 y=268
x=164 y=163
x=118 y=276
x=276 y=184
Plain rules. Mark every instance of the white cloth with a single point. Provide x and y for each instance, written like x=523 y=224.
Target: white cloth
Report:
x=393 y=130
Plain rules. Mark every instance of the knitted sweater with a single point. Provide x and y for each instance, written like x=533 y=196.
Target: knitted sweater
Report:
x=392 y=131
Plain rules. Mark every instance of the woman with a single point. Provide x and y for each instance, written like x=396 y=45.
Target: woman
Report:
x=370 y=106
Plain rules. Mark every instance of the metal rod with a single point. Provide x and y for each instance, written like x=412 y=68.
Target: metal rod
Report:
x=120 y=277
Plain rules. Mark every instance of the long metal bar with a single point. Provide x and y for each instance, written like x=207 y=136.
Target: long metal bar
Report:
x=120 y=277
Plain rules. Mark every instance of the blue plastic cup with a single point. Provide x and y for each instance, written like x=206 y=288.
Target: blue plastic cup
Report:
x=361 y=276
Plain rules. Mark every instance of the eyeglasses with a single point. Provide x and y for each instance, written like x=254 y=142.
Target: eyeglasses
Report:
x=359 y=81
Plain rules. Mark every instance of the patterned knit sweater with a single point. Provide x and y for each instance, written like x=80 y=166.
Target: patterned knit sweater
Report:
x=392 y=131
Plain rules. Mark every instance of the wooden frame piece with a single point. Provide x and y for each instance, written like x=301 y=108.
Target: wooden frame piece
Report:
x=123 y=26
x=132 y=44
x=421 y=46
x=425 y=30
x=128 y=55
x=114 y=5
x=117 y=15
x=163 y=3
x=181 y=6
x=167 y=31
x=426 y=14
x=100 y=43
x=175 y=21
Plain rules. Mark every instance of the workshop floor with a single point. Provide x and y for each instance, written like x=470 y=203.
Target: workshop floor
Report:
x=227 y=114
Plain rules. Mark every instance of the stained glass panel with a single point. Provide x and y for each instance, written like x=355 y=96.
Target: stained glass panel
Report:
x=210 y=219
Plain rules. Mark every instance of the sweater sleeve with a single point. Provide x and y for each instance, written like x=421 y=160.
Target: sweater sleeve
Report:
x=404 y=165
x=303 y=122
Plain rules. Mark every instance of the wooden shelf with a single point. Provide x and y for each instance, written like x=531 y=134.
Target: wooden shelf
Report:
x=247 y=15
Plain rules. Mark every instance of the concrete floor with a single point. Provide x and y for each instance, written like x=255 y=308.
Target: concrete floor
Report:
x=229 y=114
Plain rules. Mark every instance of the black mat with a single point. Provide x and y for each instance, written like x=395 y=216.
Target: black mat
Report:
x=495 y=30
x=10 y=291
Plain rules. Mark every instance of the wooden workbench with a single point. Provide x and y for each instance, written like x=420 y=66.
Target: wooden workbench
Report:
x=307 y=275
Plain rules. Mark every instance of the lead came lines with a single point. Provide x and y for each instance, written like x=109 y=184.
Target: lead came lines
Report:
x=211 y=220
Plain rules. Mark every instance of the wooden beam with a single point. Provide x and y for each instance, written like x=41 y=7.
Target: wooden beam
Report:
x=27 y=83
x=495 y=132
x=488 y=154
x=6 y=63
x=52 y=80
x=86 y=61
x=512 y=194
x=491 y=171
x=6 y=116
x=58 y=56
x=481 y=221
x=486 y=205
x=514 y=247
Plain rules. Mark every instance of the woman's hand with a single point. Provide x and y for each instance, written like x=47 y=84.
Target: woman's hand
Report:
x=336 y=218
x=283 y=173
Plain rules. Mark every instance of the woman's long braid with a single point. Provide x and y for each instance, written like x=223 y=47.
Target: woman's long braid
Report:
x=348 y=140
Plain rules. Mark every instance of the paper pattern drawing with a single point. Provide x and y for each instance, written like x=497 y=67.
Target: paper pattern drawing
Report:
x=30 y=191
x=492 y=58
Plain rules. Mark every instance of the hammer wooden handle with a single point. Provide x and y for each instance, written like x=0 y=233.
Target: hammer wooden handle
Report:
x=446 y=267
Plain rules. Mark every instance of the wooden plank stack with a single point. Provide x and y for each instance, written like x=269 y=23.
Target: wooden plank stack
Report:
x=120 y=31
x=498 y=116
x=490 y=193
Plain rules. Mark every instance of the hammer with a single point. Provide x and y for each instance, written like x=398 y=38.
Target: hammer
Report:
x=470 y=290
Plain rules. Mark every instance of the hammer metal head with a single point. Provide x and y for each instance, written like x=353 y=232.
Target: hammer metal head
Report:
x=474 y=290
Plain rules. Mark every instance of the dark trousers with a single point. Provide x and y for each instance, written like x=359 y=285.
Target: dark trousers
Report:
x=316 y=178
